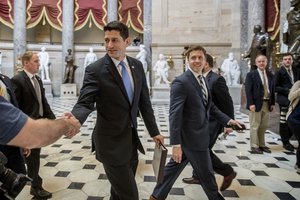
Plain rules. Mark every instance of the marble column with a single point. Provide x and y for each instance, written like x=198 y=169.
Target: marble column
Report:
x=67 y=31
x=19 y=31
x=284 y=9
x=244 y=37
x=112 y=10
x=256 y=16
x=148 y=34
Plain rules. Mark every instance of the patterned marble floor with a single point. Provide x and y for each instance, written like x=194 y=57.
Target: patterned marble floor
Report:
x=71 y=172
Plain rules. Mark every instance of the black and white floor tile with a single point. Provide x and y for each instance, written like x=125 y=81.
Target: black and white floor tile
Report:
x=71 y=172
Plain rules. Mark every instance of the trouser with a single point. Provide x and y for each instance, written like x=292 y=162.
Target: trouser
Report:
x=295 y=127
x=201 y=163
x=33 y=167
x=284 y=130
x=122 y=178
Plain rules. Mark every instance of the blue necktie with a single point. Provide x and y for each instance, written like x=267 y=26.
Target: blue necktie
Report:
x=126 y=81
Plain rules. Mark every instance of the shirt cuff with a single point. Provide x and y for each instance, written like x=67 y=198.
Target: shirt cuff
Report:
x=176 y=145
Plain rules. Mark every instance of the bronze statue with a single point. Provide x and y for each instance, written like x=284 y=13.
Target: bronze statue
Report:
x=292 y=36
x=70 y=68
x=260 y=45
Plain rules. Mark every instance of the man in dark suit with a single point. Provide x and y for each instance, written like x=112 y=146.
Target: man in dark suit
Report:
x=259 y=88
x=30 y=94
x=117 y=84
x=285 y=77
x=222 y=99
x=14 y=155
x=191 y=107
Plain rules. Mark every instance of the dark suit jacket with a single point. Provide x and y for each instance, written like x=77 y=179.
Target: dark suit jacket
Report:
x=27 y=98
x=221 y=98
x=116 y=117
x=255 y=90
x=283 y=85
x=189 y=117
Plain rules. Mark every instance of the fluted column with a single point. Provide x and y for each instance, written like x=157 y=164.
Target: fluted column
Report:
x=112 y=10
x=19 y=30
x=256 y=16
x=148 y=33
x=67 y=30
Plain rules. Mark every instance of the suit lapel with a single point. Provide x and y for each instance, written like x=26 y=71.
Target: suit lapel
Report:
x=134 y=77
x=110 y=66
x=29 y=84
x=257 y=77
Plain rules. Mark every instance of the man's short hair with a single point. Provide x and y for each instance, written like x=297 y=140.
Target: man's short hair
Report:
x=117 y=26
x=195 y=48
x=287 y=54
x=210 y=60
x=27 y=56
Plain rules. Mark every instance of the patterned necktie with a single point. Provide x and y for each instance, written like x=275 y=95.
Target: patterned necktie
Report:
x=291 y=75
x=200 y=77
x=266 y=93
x=37 y=90
x=126 y=81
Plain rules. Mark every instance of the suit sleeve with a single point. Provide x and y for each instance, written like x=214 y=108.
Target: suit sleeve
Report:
x=16 y=87
x=222 y=97
x=249 y=89
x=278 y=84
x=177 y=101
x=88 y=92
x=145 y=108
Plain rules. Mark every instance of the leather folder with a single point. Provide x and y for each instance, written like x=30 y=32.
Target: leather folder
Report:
x=159 y=162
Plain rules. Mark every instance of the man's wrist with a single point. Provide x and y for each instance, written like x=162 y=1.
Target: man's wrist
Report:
x=176 y=145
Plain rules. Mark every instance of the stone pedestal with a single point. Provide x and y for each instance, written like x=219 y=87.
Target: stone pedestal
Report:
x=161 y=94
x=236 y=94
x=48 y=88
x=68 y=90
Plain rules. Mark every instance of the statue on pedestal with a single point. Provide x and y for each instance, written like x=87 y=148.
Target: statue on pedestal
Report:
x=141 y=56
x=260 y=45
x=231 y=70
x=161 y=70
x=90 y=57
x=70 y=68
x=44 y=62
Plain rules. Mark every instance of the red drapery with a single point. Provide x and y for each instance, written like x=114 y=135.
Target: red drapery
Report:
x=90 y=11
x=85 y=12
x=131 y=13
x=273 y=18
x=49 y=10
x=7 y=12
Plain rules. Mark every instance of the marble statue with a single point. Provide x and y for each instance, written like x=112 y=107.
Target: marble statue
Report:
x=142 y=55
x=70 y=68
x=44 y=62
x=161 y=70
x=90 y=57
x=260 y=45
x=231 y=70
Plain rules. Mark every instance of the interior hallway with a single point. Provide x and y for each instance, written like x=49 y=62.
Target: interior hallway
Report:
x=71 y=172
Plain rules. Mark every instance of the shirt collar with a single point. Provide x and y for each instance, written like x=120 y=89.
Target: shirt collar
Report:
x=117 y=62
x=195 y=73
x=30 y=75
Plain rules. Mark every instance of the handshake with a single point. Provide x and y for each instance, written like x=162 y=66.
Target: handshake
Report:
x=72 y=125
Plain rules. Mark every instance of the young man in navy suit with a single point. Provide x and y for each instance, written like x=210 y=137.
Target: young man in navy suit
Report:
x=259 y=88
x=118 y=86
x=222 y=99
x=191 y=107
x=285 y=77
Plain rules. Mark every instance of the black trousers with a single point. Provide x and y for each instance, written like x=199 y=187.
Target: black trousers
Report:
x=122 y=177
x=284 y=130
x=33 y=167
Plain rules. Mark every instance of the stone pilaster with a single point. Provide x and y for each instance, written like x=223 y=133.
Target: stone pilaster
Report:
x=284 y=9
x=19 y=31
x=112 y=10
x=244 y=37
x=148 y=33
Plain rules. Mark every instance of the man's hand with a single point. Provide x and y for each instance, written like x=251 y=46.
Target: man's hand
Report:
x=158 y=139
x=236 y=123
x=252 y=108
x=73 y=124
x=177 y=154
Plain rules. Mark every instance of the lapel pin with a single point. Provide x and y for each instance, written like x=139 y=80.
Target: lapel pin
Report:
x=132 y=67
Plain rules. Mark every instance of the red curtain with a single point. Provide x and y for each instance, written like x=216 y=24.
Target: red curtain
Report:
x=7 y=12
x=131 y=13
x=50 y=11
x=85 y=12
x=90 y=11
x=273 y=18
